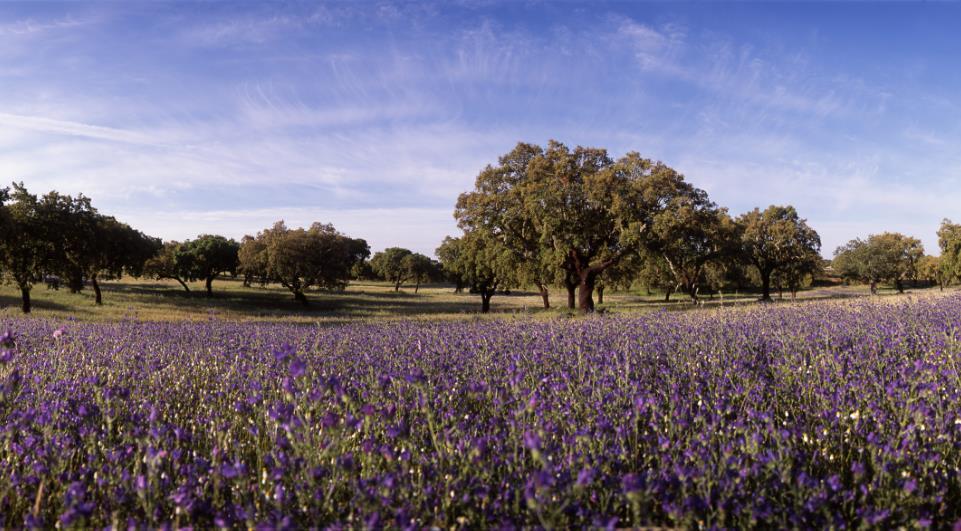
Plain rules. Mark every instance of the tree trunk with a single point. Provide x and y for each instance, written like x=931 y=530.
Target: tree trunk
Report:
x=874 y=287
x=98 y=298
x=486 y=300
x=301 y=298
x=667 y=293
x=571 y=294
x=545 y=296
x=25 y=299
x=210 y=289
x=417 y=286
x=459 y=287
x=900 y=285
x=247 y=279
x=182 y=283
x=765 y=285
x=585 y=291
x=76 y=282
x=600 y=294
x=691 y=288
x=397 y=286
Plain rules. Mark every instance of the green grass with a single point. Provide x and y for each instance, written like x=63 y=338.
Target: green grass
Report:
x=153 y=300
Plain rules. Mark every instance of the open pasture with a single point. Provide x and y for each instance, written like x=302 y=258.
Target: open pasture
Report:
x=165 y=300
x=810 y=415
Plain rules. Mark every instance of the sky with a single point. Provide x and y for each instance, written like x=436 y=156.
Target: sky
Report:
x=215 y=117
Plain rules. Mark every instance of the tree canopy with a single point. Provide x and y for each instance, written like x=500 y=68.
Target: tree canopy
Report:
x=887 y=257
x=778 y=241
x=301 y=259
x=480 y=262
x=207 y=257
x=391 y=265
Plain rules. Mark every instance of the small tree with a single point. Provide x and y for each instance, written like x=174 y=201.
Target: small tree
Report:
x=481 y=262
x=449 y=254
x=499 y=205
x=170 y=263
x=778 y=240
x=420 y=268
x=207 y=257
x=391 y=265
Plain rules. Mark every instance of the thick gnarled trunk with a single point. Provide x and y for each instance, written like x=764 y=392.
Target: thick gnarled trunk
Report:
x=209 y=286
x=585 y=290
x=301 y=298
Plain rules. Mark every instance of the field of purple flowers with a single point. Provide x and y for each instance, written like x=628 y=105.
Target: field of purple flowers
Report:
x=823 y=414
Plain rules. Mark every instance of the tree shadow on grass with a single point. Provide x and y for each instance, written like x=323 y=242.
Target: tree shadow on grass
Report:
x=272 y=302
x=36 y=303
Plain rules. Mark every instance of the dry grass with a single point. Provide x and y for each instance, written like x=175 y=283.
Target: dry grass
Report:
x=152 y=300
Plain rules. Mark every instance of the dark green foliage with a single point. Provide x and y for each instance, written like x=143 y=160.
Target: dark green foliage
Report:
x=301 y=259
x=778 y=242
x=888 y=257
x=207 y=257
x=480 y=262
x=390 y=265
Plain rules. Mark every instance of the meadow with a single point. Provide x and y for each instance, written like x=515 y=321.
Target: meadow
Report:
x=165 y=300
x=826 y=414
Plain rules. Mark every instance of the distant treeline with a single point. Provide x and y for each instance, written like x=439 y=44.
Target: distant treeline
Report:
x=541 y=217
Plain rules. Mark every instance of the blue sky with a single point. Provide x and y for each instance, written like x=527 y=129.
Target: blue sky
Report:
x=224 y=117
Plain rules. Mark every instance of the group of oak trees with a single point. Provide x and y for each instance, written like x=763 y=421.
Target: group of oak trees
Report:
x=895 y=258
x=399 y=266
x=580 y=219
x=64 y=237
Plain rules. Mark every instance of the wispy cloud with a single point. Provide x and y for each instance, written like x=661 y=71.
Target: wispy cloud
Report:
x=62 y=127
x=31 y=27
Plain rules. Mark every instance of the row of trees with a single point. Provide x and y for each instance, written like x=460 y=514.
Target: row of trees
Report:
x=895 y=258
x=399 y=266
x=579 y=219
x=65 y=236
x=57 y=236
x=541 y=217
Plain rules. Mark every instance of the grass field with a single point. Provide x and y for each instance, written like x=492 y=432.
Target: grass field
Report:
x=152 y=300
